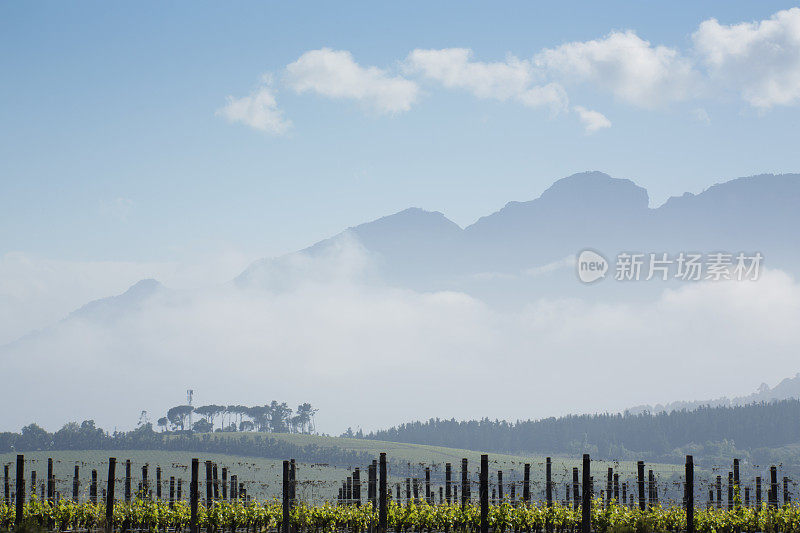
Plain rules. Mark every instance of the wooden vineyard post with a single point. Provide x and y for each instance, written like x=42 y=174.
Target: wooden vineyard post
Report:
x=6 y=486
x=215 y=473
x=374 y=466
x=609 y=484
x=736 y=474
x=209 y=485
x=448 y=478
x=112 y=474
x=526 y=485
x=293 y=483
x=224 y=483
x=19 y=490
x=773 y=484
x=640 y=483
x=158 y=483
x=500 y=485
x=286 y=495
x=179 y=491
x=575 y=494
x=651 y=490
x=51 y=488
x=194 y=496
x=689 y=491
x=616 y=488
x=171 y=492
x=786 y=497
x=382 y=510
x=548 y=491
x=76 y=484
x=357 y=486
x=127 y=480
x=464 y=484
x=586 y=502
x=428 y=485
x=371 y=492
x=730 y=491
x=93 y=487
x=144 y=490
x=758 y=492
x=484 y=493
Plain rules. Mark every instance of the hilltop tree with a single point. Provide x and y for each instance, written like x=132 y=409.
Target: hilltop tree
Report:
x=279 y=414
x=162 y=423
x=260 y=416
x=209 y=412
x=305 y=416
x=202 y=426
x=237 y=410
x=177 y=415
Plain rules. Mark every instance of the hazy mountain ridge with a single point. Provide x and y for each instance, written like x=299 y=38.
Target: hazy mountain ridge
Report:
x=788 y=388
x=113 y=306
x=425 y=250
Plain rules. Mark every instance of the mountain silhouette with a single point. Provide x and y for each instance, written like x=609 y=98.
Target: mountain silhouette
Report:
x=497 y=257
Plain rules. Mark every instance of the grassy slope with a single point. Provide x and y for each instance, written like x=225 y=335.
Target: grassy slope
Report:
x=417 y=454
x=262 y=476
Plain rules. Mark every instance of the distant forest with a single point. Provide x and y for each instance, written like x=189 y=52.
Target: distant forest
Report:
x=87 y=436
x=759 y=432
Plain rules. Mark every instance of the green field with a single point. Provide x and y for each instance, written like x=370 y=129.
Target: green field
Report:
x=316 y=482
x=419 y=454
x=262 y=477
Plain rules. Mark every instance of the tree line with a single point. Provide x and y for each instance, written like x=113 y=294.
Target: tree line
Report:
x=273 y=418
x=752 y=429
x=87 y=436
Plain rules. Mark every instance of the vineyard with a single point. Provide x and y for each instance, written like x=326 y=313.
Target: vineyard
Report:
x=428 y=503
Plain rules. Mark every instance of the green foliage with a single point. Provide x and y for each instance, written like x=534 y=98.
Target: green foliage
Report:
x=153 y=516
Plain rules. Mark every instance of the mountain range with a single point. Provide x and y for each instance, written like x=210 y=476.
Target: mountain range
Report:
x=414 y=289
x=525 y=249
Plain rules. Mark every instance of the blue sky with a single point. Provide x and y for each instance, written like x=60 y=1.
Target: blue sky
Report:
x=114 y=142
x=183 y=140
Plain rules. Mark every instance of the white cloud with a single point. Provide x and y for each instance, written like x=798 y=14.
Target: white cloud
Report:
x=225 y=342
x=513 y=78
x=259 y=110
x=591 y=120
x=36 y=292
x=760 y=59
x=335 y=74
x=630 y=67
x=454 y=69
